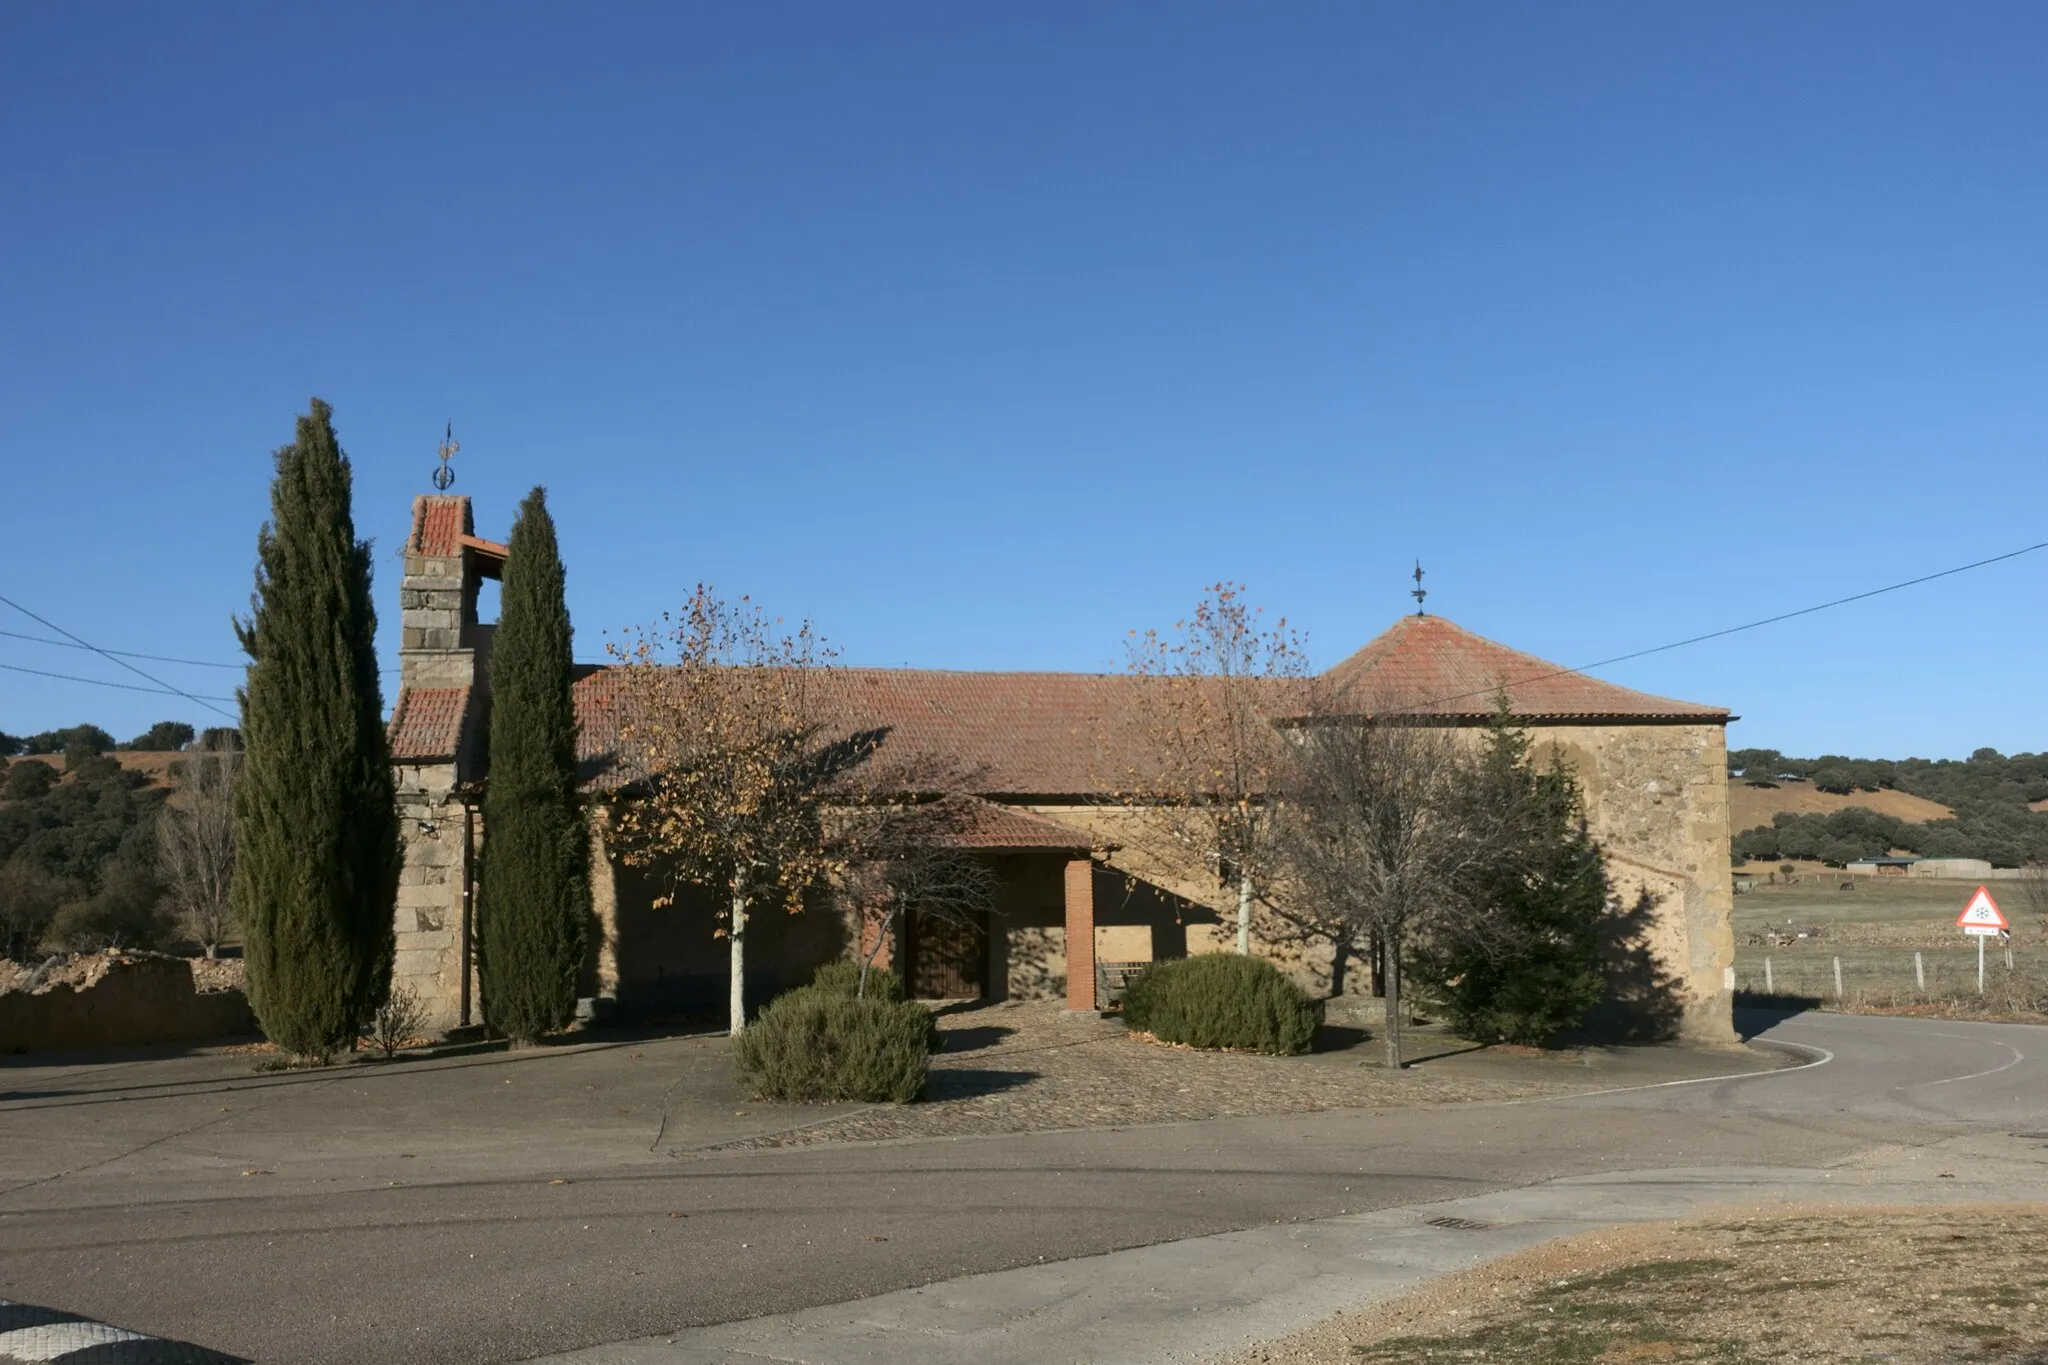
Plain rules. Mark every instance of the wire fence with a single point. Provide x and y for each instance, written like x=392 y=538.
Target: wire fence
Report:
x=2012 y=981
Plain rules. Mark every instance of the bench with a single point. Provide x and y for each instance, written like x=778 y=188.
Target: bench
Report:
x=1110 y=980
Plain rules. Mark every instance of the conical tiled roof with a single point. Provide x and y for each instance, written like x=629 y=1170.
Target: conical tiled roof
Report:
x=1429 y=666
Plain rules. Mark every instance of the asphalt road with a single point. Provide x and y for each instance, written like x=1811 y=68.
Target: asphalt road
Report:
x=133 y=1206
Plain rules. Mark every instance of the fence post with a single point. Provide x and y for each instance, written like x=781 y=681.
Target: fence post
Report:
x=1770 y=985
x=1919 y=972
x=1838 y=978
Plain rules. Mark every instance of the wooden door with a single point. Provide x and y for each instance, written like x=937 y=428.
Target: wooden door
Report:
x=948 y=958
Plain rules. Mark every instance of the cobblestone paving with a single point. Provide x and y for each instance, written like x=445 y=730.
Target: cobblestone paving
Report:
x=1015 y=1068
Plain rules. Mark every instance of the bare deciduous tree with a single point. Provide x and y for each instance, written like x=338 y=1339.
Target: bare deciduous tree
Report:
x=729 y=773
x=1209 y=754
x=2034 y=888
x=196 y=843
x=1378 y=831
x=903 y=854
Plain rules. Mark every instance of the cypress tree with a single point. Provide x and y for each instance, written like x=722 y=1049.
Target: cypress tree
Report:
x=534 y=900
x=316 y=818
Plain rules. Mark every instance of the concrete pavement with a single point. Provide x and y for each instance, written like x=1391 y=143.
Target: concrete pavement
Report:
x=1185 y=1300
x=462 y=1246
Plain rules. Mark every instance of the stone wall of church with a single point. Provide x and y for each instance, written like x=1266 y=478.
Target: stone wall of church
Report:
x=433 y=932
x=1657 y=800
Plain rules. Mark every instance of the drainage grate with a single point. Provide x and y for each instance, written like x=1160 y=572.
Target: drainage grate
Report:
x=1457 y=1224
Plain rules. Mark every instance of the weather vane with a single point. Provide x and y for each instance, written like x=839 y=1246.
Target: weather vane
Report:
x=444 y=477
x=1419 y=592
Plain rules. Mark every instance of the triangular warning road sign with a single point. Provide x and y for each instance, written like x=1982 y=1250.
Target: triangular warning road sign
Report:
x=1982 y=912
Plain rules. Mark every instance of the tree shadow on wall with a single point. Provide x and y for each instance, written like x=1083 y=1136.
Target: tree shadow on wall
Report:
x=1643 y=1003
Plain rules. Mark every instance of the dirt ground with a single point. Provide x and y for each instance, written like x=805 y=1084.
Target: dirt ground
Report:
x=1023 y=1067
x=1818 y=1286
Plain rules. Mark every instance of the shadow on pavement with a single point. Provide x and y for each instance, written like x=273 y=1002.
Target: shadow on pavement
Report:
x=1756 y=1012
x=968 y=1082
x=974 y=1039
x=1340 y=1037
x=90 y=1088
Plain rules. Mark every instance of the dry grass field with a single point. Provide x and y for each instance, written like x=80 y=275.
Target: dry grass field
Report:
x=1875 y=930
x=1749 y=807
x=1826 y=1286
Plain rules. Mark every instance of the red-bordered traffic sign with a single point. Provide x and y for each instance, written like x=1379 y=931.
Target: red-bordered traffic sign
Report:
x=1982 y=915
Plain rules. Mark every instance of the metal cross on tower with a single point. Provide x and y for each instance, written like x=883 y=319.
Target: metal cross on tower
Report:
x=1418 y=592
x=444 y=477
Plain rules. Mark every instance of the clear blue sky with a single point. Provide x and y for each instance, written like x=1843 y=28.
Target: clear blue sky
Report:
x=982 y=334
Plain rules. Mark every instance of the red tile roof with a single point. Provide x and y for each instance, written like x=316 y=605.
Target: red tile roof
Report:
x=1017 y=734
x=426 y=723
x=987 y=826
x=439 y=523
x=1082 y=734
x=1428 y=665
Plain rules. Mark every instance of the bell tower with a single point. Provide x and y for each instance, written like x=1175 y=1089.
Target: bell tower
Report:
x=437 y=749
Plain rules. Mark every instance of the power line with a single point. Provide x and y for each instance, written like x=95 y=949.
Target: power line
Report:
x=1748 y=625
x=125 y=687
x=118 y=653
x=151 y=677
x=130 y=654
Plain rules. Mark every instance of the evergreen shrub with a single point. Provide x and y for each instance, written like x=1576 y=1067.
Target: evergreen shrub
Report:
x=1532 y=967
x=814 y=1046
x=1222 y=1000
x=843 y=978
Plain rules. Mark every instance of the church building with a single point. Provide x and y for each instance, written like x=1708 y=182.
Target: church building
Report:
x=1654 y=773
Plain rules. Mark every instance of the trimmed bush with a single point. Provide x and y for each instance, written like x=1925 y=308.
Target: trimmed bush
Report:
x=1219 y=1000
x=843 y=978
x=814 y=1046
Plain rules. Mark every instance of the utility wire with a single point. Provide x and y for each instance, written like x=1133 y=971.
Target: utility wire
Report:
x=125 y=687
x=1748 y=625
x=179 y=691
x=118 y=653
x=130 y=654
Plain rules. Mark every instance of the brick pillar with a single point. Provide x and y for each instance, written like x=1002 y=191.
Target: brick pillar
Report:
x=877 y=938
x=1081 y=935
